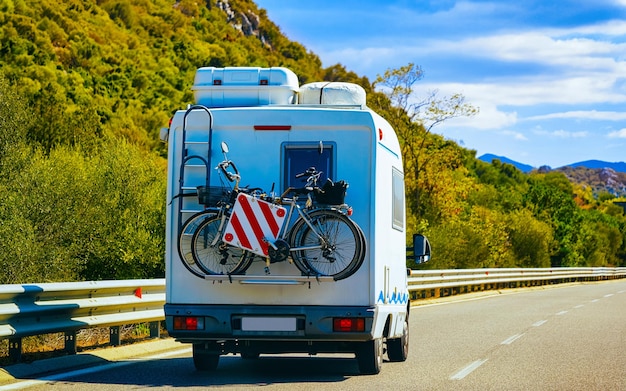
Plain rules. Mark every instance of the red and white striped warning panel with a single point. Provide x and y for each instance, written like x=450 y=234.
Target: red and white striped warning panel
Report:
x=252 y=221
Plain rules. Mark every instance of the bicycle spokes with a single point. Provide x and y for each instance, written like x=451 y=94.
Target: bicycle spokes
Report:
x=330 y=245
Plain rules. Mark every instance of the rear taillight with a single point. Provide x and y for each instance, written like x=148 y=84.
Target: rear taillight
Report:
x=188 y=323
x=347 y=325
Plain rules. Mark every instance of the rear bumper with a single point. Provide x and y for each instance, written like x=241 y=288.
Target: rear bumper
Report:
x=271 y=329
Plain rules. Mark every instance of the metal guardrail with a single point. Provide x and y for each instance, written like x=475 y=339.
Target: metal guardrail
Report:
x=35 y=309
x=440 y=283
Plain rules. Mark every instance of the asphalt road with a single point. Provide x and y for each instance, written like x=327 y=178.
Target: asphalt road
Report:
x=570 y=337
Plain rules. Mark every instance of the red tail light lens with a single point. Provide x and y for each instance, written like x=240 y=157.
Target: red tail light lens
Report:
x=188 y=323
x=347 y=325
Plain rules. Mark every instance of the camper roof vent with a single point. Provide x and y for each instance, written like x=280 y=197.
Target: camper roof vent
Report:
x=332 y=93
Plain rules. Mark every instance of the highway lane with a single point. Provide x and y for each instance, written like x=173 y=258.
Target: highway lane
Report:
x=570 y=337
x=565 y=338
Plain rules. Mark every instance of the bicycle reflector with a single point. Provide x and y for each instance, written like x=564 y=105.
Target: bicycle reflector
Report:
x=347 y=325
x=188 y=323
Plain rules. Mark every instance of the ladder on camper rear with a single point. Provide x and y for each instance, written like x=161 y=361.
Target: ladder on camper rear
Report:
x=194 y=161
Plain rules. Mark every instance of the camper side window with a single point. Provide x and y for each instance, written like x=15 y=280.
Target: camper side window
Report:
x=397 y=187
x=297 y=157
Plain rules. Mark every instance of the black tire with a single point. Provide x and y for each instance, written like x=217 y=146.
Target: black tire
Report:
x=214 y=256
x=204 y=359
x=343 y=251
x=369 y=355
x=185 y=237
x=398 y=348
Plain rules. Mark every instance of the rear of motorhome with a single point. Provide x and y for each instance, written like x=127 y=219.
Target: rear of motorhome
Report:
x=286 y=228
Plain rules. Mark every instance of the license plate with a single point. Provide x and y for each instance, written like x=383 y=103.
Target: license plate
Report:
x=268 y=324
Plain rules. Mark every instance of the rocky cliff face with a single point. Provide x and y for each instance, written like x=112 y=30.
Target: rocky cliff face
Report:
x=612 y=181
x=247 y=22
x=600 y=179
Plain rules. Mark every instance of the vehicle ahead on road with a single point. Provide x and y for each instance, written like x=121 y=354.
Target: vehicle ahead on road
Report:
x=298 y=243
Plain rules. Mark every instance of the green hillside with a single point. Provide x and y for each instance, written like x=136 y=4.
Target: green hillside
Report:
x=85 y=86
x=131 y=63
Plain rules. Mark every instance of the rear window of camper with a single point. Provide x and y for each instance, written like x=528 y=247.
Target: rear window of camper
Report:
x=297 y=157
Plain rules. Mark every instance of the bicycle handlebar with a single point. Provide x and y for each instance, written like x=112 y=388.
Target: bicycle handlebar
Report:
x=231 y=176
x=311 y=172
x=313 y=177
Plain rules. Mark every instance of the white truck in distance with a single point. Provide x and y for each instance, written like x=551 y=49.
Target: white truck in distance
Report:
x=285 y=221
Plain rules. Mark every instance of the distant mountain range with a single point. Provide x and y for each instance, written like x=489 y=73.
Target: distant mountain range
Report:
x=603 y=177
x=591 y=164
x=488 y=157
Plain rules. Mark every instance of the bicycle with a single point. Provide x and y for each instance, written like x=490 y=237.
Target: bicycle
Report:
x=324 y=240
x=321 y=240
x=217 y=201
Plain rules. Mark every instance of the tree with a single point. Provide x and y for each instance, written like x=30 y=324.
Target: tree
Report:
x=548 y=199
x=14 y=120
x=413 y=119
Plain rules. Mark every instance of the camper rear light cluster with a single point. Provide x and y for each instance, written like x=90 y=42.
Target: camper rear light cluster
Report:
x=188 y=323
x=347 y=325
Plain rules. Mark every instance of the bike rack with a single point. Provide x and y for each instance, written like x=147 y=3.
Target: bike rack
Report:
x=269 y=280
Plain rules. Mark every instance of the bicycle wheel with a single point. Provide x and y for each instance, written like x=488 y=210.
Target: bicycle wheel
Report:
x=185 y=236
x=335 y=248
x=214 y=256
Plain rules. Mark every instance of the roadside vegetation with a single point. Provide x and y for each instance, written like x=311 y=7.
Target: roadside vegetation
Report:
x=85 y=86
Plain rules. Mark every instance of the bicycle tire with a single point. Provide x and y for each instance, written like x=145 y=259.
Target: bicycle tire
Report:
x=219 y=258
x=184 y=241
x=353 y=266
x=345 y=250
x=356 y=265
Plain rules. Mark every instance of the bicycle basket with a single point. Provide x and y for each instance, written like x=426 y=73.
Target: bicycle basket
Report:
x=332 y=193
x=210 y=195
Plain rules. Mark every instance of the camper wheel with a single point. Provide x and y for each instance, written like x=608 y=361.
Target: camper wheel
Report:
x=398 y=348
x=204 y=358
x=370 y=356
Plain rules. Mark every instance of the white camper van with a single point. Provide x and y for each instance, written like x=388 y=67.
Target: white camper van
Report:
x=285 y=221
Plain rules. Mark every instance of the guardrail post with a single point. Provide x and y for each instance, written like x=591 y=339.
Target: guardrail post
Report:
x=15 y=349
x=114 y=336
x=70 y=342
x=155 y=329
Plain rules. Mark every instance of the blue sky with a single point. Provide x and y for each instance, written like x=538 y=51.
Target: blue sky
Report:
x=549 y=78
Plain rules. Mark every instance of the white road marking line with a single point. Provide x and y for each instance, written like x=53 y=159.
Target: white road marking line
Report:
x=580 y=306
x=562 y=313
x=467 y=370
x=539 y=323
x=511 y=339
x=609 y=295
x=595 y=300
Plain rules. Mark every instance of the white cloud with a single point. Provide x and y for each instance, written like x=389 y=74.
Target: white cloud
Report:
x=582 y=114
x=538 y=47
x=575 y=70
x=611 y=28
x=515 y=135
x=618 y=134
x=563 y=134
x=488 y=117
